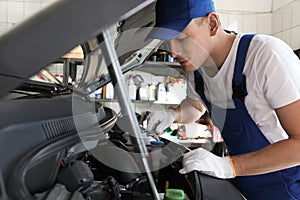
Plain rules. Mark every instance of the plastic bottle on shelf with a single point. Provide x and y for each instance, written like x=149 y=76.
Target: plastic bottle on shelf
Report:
x=131 y=88
x=162 y=56
x=170 y=58
x=143 y=93
x=169 y=96
x=152 y=92
x=104 y=92
x=161 y=92
x=109 y=91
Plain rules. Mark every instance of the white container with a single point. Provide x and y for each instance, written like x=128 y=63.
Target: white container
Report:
x=161 y=92
x=132 y=92
x=152 y=92
x=143 y=92
x=109 y=91
x=131 y=88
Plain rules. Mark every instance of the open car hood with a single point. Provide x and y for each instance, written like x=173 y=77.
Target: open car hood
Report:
x=36 y=45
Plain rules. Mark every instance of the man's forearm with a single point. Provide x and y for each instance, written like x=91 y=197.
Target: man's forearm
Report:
x=280 y=155
x=188 y=111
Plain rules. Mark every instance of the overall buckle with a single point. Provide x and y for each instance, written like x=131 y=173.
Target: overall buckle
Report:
x=239 y=90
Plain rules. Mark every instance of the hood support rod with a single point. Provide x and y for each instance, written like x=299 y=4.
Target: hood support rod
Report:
x=114 y=68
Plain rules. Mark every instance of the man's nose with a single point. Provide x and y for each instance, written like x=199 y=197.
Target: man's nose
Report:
x=174 y=49
x=173 y=54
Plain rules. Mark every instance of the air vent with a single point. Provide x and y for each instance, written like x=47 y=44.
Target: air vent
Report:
x=58 y=128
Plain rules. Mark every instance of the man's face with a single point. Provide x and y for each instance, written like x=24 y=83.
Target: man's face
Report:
x=190 y=47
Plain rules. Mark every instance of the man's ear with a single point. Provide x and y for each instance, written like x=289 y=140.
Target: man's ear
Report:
x=213 y=22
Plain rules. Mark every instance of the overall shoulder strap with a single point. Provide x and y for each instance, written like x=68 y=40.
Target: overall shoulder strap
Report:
x=239 y=90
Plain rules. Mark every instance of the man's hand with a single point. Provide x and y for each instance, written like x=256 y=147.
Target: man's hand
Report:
x=158 y=121
x=207 y=163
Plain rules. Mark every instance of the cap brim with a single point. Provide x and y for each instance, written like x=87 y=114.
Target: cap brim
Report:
x=168 y=31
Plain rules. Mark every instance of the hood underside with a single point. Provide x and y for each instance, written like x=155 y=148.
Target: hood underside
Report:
x=32 y=44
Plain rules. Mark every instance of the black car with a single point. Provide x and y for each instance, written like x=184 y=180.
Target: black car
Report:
x=57 y=142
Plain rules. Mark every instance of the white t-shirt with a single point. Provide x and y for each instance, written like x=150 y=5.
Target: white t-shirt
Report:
x=272 y=73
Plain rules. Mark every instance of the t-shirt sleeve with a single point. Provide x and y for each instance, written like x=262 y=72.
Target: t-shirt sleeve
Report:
x=278 y=73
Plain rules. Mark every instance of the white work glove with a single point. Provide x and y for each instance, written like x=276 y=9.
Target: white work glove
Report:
x=158 y=121
x=207 y=163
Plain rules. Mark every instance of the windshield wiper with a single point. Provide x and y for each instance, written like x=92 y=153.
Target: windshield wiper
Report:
x=47 y=88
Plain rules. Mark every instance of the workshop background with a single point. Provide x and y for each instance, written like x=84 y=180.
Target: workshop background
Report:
x=280 y=18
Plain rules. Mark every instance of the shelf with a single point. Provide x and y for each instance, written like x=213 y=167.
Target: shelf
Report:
x=161 y=64
x=166 y=102
x=105 y=100
x=139 y=101
x=173 y=69
x=115 y=100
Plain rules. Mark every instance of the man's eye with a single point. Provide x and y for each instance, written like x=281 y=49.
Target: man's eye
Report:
x=182 y=39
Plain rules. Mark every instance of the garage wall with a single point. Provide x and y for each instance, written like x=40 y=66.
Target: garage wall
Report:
x=240 y=16
x=14 y=11
x=280 y=18
x=277 y=17
x=246 y=16
x=286 y=21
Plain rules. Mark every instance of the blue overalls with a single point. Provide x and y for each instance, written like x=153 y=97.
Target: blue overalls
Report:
x=241 y=135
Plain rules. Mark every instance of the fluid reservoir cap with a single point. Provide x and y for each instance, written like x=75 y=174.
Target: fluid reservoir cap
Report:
x=157 y=143
x=174 y=194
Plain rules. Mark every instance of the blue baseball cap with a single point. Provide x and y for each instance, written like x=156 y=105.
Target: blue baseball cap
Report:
x=173 y=16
